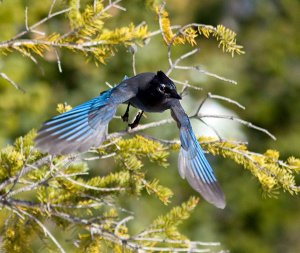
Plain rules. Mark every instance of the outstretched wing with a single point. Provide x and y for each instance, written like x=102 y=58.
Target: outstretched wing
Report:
x=192 y=163
x=85 y=125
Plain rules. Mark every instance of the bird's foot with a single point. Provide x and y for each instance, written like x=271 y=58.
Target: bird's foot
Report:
x=136 y=121
x=125 y=117
x=126 y=114
x=133 y=124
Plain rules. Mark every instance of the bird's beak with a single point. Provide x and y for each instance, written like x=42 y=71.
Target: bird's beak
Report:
x=174 y=94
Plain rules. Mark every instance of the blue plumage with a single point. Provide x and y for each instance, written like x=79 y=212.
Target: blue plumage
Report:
x=85 y=126
x=193 y=153
x=193 y=166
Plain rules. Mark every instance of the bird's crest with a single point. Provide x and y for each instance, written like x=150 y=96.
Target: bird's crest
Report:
x=162 y=77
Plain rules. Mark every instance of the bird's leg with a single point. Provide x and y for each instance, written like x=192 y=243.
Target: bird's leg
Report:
x=126 y=114
x=136 y=121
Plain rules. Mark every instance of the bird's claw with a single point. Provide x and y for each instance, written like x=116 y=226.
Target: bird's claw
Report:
x=125 y=117
x=126 y=114
x=136 y=121
x=133 y=125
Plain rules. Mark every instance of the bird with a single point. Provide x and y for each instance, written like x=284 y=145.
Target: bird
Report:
x=85 y=126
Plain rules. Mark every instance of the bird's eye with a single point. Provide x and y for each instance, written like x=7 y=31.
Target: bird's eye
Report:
x=162 y=87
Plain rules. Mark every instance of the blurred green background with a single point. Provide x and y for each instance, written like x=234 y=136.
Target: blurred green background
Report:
x=268 y=85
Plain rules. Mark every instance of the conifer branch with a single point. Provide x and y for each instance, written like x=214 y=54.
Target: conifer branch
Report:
x=187 y=34
x=68 y=194
x=45 y=230
x=111 y=4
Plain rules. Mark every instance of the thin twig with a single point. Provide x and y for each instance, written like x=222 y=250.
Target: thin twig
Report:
x=46 y=231
x=4 y=76
x=197 y=68
x=26 y=18
x=147 y=232
x=122 y=222
x=16 y=212
x=157 y=32
x=200 y=105
x=92 y=187
x=32 y=27
x=140 y=128
x=51 y=8
x=184 y=56
x=31 y=57
x=133 y=64
x=162 y=240
x=213 y=129
x=28 y=168
x=58 y=60
x=31 y=186
x=99 y=157
x=227 y=100
x=186 y=84
x=27 y=42
x=106 y=202
x=244 y=122
x=166 y=142
x=170 y=249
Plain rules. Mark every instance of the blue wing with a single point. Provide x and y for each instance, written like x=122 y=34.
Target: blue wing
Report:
x=192 y=163
x=84 y=126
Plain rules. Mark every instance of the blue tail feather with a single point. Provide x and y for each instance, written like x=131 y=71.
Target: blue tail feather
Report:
x=195 y=168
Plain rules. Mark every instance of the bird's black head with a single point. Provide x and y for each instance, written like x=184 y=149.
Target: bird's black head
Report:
x=164 y=86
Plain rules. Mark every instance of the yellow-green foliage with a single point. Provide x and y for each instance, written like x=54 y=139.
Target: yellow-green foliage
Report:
x=189 y=33
x=131 y=151
x=130 y=154
x=61 y=189
x=36 y=187
x=61 y=108
x=89 y=18
x=176 y=215
x=88 y=35
x=16 y=234
x=168 y=223
x=12 y=158
x=225 y=36
x=11 y=162
x=93 y=245
x=271 y=172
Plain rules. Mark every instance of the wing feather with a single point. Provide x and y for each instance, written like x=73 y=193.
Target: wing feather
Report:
x=83 y=126
x=192 y=163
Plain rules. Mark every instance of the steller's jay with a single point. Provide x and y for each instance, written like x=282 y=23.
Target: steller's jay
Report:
x=85 y=126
